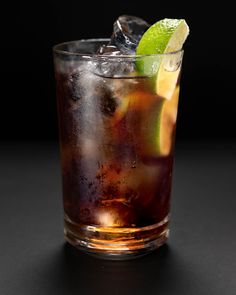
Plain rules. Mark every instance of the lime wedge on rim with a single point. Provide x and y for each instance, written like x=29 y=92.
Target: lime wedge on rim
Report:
x=165 y=36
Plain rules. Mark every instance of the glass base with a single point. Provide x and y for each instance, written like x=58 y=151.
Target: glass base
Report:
x=116 y=243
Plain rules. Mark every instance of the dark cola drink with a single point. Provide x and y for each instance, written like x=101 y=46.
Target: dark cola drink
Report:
x=117 y=138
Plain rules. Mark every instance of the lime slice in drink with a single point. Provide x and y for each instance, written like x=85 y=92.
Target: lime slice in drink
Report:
x=165 y=36
x=157 y=127
x=166 y=124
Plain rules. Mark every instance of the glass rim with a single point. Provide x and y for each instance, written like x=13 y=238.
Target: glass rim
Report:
x=56 y=49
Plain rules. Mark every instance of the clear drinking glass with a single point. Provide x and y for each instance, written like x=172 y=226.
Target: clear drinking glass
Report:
x=117 y=121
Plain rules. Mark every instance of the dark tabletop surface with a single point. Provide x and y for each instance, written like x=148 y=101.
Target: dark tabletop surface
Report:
x=200 y=257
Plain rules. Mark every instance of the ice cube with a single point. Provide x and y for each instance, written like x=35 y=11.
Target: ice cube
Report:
x=127 y=31
x=105 y=99
x=109 y=64
x=108 y=104
x=99 y=99
x=113 y=65
x=72 y=82
x=109 y=50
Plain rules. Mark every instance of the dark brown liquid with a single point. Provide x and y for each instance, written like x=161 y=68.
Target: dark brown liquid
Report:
x=112 y=175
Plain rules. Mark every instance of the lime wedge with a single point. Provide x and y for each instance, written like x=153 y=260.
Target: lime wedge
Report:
x=165 y=36
x=158 y=126
x=166 y=124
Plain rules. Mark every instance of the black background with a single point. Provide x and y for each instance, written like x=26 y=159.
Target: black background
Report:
x=31 y=28
x=200 y=256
